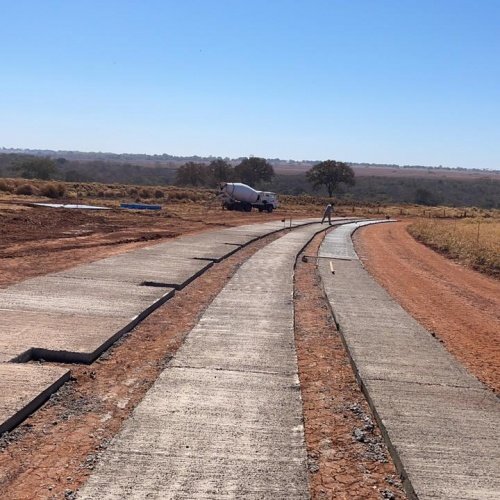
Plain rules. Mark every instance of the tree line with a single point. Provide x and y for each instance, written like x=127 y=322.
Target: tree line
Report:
x=257 y=172
x=329 y=178
x=253 y=171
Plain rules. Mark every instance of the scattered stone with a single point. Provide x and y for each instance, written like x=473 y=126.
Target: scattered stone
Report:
x=356 y=409
x=69 y=495
x=369 y=425
x=359 y=435
x=313 y=466
x=392 y=480
x=388 y=494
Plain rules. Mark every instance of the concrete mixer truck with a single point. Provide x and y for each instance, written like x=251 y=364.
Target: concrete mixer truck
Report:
x=237 y=196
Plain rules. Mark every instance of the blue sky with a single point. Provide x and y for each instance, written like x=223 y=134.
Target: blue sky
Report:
x=403 y=81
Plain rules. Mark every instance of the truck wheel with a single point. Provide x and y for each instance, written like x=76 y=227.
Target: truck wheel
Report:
x=230 y=206
x=269 y=208
x=261 y=209
x=247 y=207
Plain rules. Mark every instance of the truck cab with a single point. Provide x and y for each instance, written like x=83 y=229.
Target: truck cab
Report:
x=267 y=201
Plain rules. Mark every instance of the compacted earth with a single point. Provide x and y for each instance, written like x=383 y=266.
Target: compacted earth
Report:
x=52 y=452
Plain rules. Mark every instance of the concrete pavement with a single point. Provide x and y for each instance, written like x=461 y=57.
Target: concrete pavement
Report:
x=75 y=315
x=441 y=423
x=224 y=420
x=33 y=385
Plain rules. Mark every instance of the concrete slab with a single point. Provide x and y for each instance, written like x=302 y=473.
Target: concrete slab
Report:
x=61 y=337
x=23 y=388
x=441 y=423
x=81 y=296
x=248 y=416
x=141 y=267
x=219 y=244
x=73 y=316
x=202 y=248
x=224 y=420
x=338 y=244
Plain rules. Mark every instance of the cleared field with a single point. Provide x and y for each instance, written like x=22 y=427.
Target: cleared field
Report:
x=475 y=242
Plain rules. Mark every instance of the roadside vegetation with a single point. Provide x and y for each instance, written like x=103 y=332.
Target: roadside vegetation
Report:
x=473 y=241
x=427 y=187
x=113 y=194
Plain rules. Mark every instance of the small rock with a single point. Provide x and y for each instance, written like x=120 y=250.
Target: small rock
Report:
x=313 y=467
x=388 y=494
x=369 y=425
x=356 y=409
x=359 y=435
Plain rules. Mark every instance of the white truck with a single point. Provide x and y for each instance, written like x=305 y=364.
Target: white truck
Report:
x=238 y=196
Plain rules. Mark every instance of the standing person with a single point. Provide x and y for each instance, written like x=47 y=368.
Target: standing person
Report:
x=328 y=213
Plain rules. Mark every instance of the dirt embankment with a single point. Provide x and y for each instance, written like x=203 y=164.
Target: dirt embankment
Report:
x=459 y=306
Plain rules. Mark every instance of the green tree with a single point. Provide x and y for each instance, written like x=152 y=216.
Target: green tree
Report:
x=192 y=174
x=220 y=171
x=253 y=170
x=36 y=168
x=330 y=173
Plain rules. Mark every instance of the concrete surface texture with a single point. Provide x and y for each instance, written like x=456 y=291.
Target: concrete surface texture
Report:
x=224 y=419
x=82 y=309
x=337 y=244
x=74 y=315
x=440 y=422
x=33 y=385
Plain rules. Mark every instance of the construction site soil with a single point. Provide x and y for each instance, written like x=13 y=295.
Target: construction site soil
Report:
x=52 y=452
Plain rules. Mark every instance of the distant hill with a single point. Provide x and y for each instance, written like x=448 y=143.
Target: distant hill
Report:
x=281 y=166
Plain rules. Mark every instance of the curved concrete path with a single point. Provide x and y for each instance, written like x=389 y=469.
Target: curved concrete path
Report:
x=224 y=420
x=441 y=424
x=74 y=315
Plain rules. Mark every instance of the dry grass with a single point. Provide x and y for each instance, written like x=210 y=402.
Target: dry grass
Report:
x=474 y=241
x=112 y=195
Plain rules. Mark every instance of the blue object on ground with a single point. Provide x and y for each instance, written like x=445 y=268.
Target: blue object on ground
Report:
x=140 y=206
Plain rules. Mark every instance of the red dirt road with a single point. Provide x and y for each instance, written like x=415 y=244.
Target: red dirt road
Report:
x=460 y=306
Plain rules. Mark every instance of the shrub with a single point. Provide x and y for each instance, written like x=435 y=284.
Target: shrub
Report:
x=5 y=186
x=159 y=193
x=145 y=193
x=26 y=189
x=53 y=190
